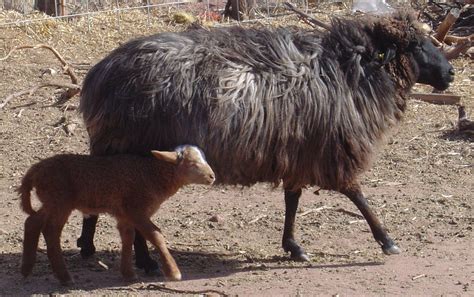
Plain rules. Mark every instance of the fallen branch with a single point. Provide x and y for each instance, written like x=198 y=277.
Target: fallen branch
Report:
x=73 y=88
x=459 y=48
x=450 y=39
x=165 y=289
x=442 y=99
x=447 y=23
x=306 y=17
x=66 y=67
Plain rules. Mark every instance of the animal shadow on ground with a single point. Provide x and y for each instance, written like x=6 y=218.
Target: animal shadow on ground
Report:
x=456 y=135
x=102 y=270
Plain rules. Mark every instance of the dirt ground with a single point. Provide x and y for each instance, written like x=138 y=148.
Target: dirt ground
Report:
x=421 y=186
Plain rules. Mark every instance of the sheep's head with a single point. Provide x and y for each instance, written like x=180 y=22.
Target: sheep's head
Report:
x=402 y=35
x=192 y=167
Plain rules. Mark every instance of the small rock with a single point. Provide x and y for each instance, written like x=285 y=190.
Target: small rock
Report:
x=215 y=218
x=48 y=71
x=69 y=128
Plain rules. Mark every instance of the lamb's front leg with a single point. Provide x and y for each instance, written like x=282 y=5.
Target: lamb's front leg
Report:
x=152 y=234
x=127 y=234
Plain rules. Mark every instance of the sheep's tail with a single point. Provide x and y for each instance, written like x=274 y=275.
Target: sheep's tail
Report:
x=25 y=192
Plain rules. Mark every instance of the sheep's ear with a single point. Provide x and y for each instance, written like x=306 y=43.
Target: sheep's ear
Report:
x=171 y=157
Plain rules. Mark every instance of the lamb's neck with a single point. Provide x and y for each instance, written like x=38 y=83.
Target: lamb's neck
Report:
x=167 y=180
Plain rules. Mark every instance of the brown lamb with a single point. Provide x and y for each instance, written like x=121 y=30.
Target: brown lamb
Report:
x=129 y=187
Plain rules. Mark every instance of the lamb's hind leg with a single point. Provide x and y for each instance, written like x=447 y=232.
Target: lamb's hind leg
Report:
x=53 y=226
x=153 y=234
x=127 y=234
x=33 y=226
x=289 y=243
x=354 y=193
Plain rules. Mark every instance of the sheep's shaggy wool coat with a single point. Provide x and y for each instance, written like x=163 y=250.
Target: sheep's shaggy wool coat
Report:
x=265 y=104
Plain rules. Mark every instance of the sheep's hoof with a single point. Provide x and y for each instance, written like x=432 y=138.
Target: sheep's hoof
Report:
x=87 y=250
x=26 y=269
x=392 y=249
x=130 y=277
x=296 y=252
x=67 y=282
x=300 y=257
x=149 y=265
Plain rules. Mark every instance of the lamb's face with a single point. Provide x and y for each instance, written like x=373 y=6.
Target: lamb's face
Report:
x=433 y=67
x=194 y=166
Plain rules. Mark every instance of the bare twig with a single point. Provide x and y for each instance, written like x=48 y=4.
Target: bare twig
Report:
x=73 y=89
x=306 y=17
x=67 y=68
x=455 y=51
x=165 y=289
x=348 y=212
x=314 y=210
x=443 y=99
x=447 y=23
x=450 y=39
x=418 y=276
x=257 y=219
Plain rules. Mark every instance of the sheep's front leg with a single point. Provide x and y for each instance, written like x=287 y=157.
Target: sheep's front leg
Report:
x=127 y=234
x=33 y=226
x=289 y=244
x=153 y=234
x=86 y=240
x=52 y=235
x=142 y=256
x=354 y=192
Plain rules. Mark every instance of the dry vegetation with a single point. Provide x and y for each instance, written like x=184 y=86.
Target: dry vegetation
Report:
x=227 y=240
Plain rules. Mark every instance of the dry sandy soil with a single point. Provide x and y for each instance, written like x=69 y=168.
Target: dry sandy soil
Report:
x=421 y=186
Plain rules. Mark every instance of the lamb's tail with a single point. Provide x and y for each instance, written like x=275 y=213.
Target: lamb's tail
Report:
x=25 y=192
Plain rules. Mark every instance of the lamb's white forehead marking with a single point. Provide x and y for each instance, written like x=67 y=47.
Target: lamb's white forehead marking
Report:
x=181 y=148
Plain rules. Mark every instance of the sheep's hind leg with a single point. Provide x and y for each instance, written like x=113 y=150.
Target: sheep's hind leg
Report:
x=33 y=226
x=380 y=234
x=142 y=256
x=52 y=234
x=127 y=234
x=153 y=234
x=289 y=244
x=86 y=240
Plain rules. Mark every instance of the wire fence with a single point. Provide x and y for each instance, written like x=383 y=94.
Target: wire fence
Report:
x=17 y=12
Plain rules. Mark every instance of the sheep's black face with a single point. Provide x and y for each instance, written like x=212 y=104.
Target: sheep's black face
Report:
x=433 y=67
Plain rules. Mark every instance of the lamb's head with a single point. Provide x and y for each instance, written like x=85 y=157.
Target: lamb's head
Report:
x=192 y=166
x=402 y=36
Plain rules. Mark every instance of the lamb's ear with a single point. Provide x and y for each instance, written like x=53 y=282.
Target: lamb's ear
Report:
x=171 y=157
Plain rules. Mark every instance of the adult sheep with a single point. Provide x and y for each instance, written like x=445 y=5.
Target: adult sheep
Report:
x=265 y=104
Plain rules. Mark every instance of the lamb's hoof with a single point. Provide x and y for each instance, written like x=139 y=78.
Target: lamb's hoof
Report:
x=175 y=276
x=87 y=250
x=149 y=265
x=392 y=249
